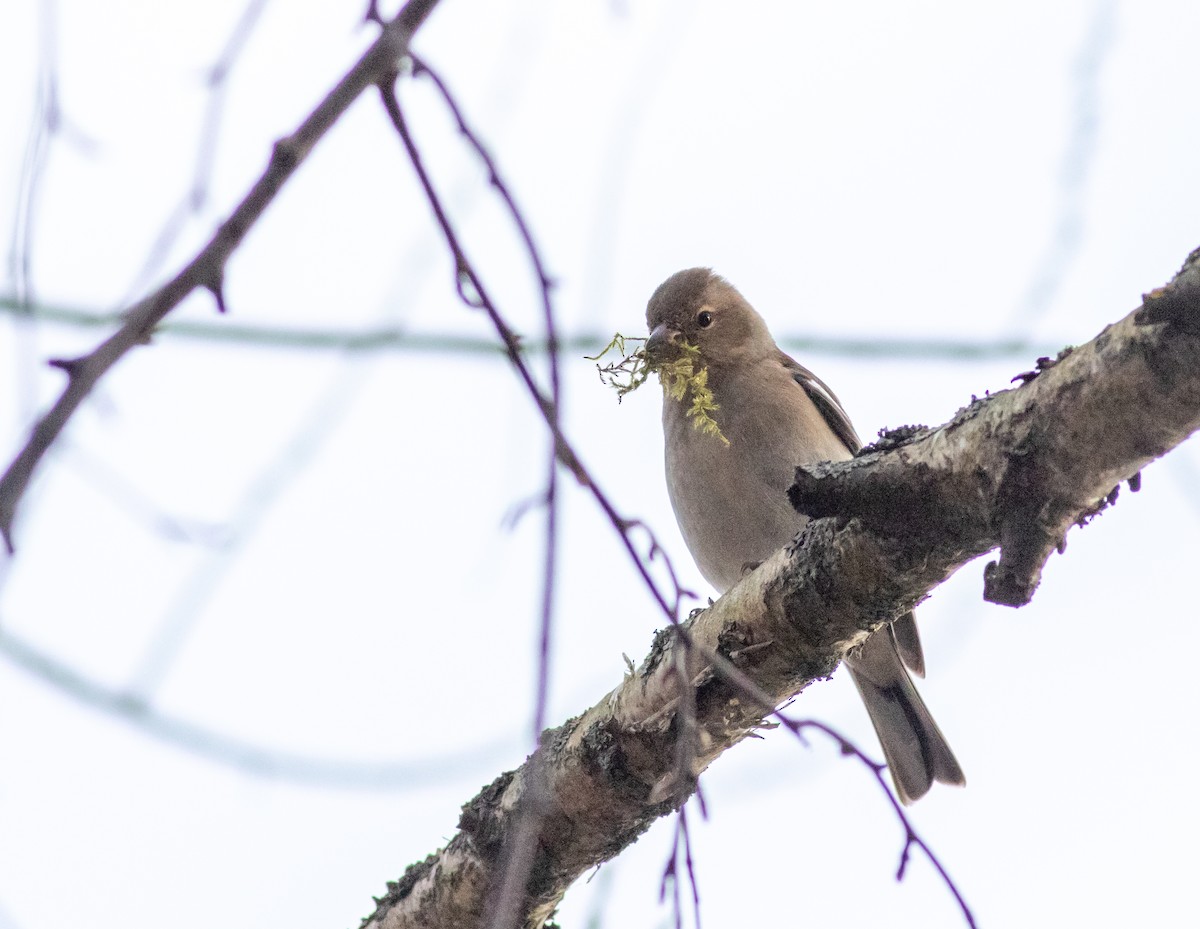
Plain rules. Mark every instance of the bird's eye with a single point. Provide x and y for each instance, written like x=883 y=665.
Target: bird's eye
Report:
x=704 y=319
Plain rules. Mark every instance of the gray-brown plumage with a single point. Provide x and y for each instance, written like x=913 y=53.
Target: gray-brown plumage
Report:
x=731 y=499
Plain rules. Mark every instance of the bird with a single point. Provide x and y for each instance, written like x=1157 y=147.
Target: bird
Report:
x=728 y=489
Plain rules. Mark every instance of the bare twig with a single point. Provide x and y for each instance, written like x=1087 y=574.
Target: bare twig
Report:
x=206 y=269
x=681 y=847
x=478 y=297
x=755 y=695
x=511 y=893
x=196 y=197
x=545 y=283
x=545 y=286
x=912 y=838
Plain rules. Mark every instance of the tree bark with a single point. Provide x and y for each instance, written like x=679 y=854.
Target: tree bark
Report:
x=1014 y=470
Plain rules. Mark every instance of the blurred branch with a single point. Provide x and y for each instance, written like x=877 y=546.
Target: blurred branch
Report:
x=125 y=493
x=196 y=197
x=48 y=124
x=248 y=757
x=207 y=269
x=1015 y=470
x=1078 y=160
x=403 y=339
x=256 y=500
x=45 y=126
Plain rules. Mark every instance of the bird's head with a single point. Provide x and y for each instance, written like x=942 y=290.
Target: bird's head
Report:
x=704 y=310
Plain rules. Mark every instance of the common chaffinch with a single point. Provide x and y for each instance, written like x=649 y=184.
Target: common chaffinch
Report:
x=729 y=491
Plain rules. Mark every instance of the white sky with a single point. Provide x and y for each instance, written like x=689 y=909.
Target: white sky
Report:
x=350 y=589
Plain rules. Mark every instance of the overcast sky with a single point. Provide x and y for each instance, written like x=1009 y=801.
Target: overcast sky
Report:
x=310 y=553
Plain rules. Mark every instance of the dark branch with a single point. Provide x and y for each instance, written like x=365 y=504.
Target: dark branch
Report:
x=479 y=298
x=207 y=266
x=1018 y=469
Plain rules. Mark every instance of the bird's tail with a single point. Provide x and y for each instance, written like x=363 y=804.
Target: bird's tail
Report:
x=915 y=749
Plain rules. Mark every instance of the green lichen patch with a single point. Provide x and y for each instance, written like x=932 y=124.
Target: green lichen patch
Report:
x=684 y=379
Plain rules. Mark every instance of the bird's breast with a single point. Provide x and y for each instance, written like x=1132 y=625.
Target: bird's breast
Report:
x=731 y=500
x=731 y=503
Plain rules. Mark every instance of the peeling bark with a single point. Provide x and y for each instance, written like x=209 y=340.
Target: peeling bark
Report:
x=1018 y=469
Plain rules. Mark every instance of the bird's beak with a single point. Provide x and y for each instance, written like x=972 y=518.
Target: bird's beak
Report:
x=663 y=344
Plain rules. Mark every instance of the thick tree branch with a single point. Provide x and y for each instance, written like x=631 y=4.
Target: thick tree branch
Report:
x=1020 y=468
x=1014 y=470
x=207 y=269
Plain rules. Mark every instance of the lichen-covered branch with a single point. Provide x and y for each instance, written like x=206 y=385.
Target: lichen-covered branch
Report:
x=1019 y=468
x=1015 y=470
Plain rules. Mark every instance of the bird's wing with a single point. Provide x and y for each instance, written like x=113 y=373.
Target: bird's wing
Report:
x=825 y=400
x=904 y=629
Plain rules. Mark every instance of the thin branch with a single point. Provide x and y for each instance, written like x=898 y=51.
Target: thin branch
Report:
x=681 y=847
x=246 y=757
x=138 y=505
x=545 y=283
x=479 y=298
x=542 y=688
x=912 y=839
x=506 y=910
x=551 y=344
x=45 y=126
x=196 y=197
x=1078 y=160
x=750 y=691
x=511 y=893
x=206 y=269
x=545 y=286
x=396 y=338
x=48 y=124
x=194 y=593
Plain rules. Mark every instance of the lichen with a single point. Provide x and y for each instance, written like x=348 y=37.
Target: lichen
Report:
x=684 y=379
